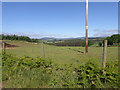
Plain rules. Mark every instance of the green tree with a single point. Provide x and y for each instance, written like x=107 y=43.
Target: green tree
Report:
x=100 y=44
x=114 y=39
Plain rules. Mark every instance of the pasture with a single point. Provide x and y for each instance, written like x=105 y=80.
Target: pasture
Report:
x=62 y=67
x=62 y=55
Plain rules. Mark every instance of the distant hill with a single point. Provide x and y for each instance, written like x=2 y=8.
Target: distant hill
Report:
x=47 y=38
x=52 y=38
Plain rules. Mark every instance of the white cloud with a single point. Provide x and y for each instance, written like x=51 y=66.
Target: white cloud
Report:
x=104 y=33
x=37 y=35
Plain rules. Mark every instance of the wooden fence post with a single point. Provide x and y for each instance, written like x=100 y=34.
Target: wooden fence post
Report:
x=3 y=47
x=104 y=53
x=43 y=51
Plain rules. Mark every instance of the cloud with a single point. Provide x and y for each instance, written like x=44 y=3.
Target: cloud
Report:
x=96 y=33
x=41 y=35
x=104 y=33
x=37 y=35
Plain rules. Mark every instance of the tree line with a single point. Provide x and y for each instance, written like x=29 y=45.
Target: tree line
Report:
x=72 y=42
x=113 y=40
x=16 y=37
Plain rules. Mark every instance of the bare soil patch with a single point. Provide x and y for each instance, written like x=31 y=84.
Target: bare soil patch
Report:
x=7 y=45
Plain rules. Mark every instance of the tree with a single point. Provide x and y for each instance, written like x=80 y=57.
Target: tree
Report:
x=114 y=39
x=100 y=44
x=15 y=37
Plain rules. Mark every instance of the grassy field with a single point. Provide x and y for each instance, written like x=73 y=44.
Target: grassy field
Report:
x=70 y=67
x=62 y=55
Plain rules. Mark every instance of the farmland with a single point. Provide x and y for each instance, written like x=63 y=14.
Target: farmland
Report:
x=59 y=45
x=62 y=55
x=62 y=67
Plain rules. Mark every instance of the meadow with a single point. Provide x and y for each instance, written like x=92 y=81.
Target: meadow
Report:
x=62 y=55
x=62 y=67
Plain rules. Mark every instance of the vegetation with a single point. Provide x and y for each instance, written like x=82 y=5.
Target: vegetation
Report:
x=62 y=67
x=73 y=42
x=62 y=55
x=28 y=72
x=100 y=44
x=16 y=37
x=114 y=40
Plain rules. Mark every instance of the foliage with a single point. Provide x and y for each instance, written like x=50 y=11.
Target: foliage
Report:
x=114 y=39
x=24 y=71
x=92 y=76
x=100 y=44
x=15 y=37
x=27 y=72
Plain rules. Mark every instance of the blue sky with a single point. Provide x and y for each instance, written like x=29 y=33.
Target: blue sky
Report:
x=60 y=19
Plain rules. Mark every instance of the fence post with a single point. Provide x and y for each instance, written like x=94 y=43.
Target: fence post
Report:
x=43 y=52
x=3 y=47
x=104 y=54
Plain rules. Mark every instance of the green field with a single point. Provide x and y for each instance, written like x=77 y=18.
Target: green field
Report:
x=63 y=55
x=62 y=67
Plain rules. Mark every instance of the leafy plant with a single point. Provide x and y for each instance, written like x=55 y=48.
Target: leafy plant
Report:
x=28 y=72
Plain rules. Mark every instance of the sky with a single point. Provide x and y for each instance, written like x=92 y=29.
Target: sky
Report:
x=59 y=19
x=59 y=0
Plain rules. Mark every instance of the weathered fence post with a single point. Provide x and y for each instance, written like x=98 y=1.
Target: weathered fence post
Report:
x=43 y=51
x=3 y=47
x=104 y=53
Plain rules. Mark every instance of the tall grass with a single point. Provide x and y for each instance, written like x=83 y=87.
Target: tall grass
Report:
x=28 y=72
